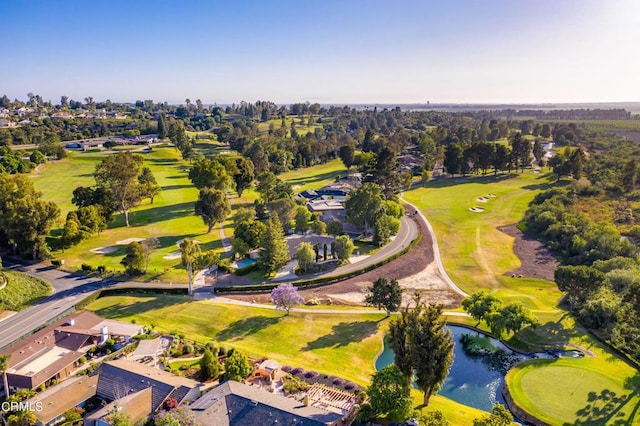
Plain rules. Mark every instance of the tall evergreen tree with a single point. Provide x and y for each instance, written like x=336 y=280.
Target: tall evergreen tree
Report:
x=274 y=252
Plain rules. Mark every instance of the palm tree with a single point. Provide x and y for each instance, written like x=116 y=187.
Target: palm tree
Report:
x=190 y=254
x=4 y=364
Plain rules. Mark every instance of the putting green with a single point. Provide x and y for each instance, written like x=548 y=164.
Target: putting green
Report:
x=569 y=391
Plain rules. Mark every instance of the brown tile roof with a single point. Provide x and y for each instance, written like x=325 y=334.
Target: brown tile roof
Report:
x=137 y=406
x=60 y=398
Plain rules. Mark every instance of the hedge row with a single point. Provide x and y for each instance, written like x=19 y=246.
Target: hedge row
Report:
x=258 y=288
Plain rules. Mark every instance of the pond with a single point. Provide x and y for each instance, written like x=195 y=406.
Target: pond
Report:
x=472 y=380
x=479 y=365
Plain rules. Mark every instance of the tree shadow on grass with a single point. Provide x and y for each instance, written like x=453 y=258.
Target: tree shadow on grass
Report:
x=139 y=306
x=160 y=214
x=604 y=408
x=551 y=332
x=344 y=333
x=245 y=327
x=316 y=178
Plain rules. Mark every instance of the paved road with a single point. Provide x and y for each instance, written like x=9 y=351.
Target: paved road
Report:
x=70 y=288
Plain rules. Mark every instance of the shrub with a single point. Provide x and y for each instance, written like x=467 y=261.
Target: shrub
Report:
x=82 y=360
x=56 y=263
x=187 y=349
x=310 y=374
x=297 y=371
x=287 y=368
x=86 y=267
x=338 y=381
x=350 y=386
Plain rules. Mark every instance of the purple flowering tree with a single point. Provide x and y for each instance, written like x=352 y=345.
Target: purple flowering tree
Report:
x=286 y=296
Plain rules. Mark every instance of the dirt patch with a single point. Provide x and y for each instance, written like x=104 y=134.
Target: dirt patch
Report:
x=414 y=270
x=537 y=260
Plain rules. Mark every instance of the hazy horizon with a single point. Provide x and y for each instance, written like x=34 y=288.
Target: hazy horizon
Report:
x=356 y=52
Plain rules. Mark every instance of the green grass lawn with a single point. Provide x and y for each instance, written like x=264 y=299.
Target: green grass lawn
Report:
x=314 y=177
x=325 y=343
x=22 y=291
x=170 y=218
x=568 y=391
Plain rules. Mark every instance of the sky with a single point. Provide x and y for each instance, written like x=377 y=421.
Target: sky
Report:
x=330 y=51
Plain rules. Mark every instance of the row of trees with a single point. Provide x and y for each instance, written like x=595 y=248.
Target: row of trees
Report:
x=500 y=317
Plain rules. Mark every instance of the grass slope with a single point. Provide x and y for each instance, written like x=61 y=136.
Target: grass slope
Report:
x=22 y=291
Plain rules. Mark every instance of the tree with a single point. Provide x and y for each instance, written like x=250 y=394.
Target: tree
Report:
x=422 y=345
x=119 y=174
x=285 y=209
x=318 y=227
x=343 y=247
x=134 y=261
x=629 y=175
x=272 y=188
x=305 y=255
x=244 y=175
x=212 y=206
x=431 y=350
x=500 y=416
x=480 y=304
x=22 y=418
x=190 y=254
x=209 y=366
x=25 y=220
x=148 y=184
x=209 y=174
x=578 y=282
x=538 y=151
x=37 y=157
x=511 y=317
x=385 y=227
x=274 y=253
x=501 y=158
x=102 y=197
x=118 y=418
x=347 y=155
x=390 y=394
x=236 y=367
x=335 y=228
x=4 y=365
x=521 y=150
x=385 y=294
x=453 y=159
x=286 y=296
x=387 y=172
x=181 y=416
x=148 y=246
x=303 y=215
x=364 y=205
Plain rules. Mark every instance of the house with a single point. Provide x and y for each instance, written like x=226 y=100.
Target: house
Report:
x=125 y=377
x=54 y=352
x=237 y=404
x=51 y=404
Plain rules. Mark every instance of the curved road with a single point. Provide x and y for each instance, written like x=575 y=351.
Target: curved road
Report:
x=69 y=288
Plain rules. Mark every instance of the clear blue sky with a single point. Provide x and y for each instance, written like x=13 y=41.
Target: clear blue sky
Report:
x=342 y=51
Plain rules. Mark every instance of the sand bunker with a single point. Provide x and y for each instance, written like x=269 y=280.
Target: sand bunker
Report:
x=130 y=240
x=482 y=199
x=491 y=195
x=173 y=255
x=476 y=209
x=104 y=250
